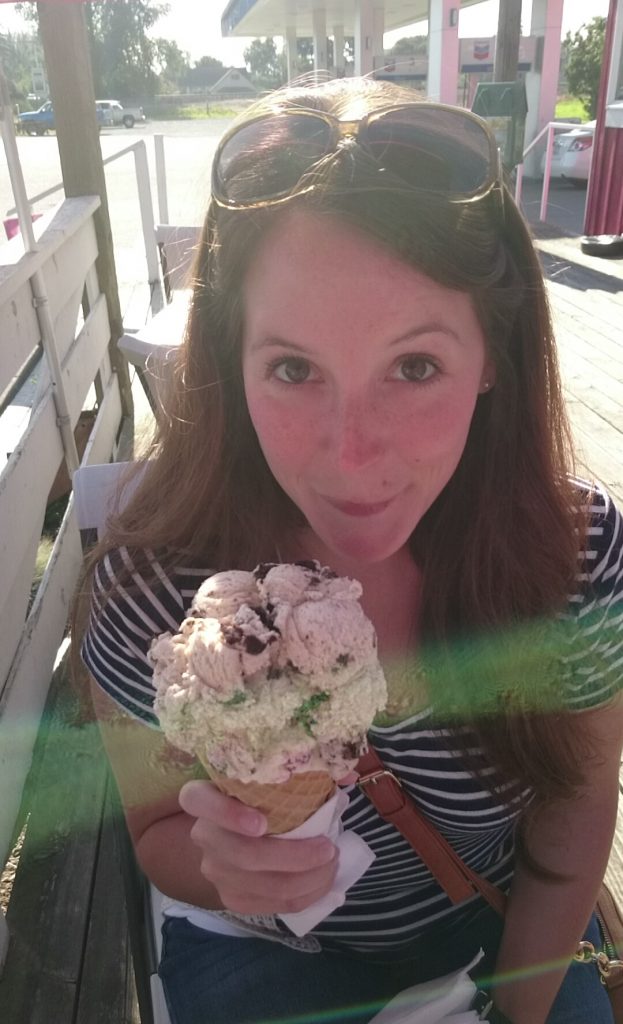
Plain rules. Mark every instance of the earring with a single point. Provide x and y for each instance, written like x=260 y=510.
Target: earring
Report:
x=485 y=385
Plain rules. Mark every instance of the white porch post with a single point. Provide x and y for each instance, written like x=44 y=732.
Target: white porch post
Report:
x=364 y=37
x=542 y=81
x=378 y=29
x=291 y=53
x=319 y=28
x=443 y=50
x=338 y=51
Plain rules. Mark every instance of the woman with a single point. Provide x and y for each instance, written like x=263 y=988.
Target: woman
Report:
x=369 y=378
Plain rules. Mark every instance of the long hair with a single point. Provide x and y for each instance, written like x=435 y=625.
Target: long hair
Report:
x=498 y=549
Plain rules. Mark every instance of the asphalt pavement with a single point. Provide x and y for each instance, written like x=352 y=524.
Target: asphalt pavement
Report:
x=189 y=149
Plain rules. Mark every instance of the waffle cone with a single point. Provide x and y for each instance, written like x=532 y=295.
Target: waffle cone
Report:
x=285 y=804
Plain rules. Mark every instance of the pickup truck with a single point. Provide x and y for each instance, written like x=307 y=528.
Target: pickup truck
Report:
x=118 y=114
x=38 y=122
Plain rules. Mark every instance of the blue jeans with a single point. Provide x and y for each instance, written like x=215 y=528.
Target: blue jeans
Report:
x=214 y=979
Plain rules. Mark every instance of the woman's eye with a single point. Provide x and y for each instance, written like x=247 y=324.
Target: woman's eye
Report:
x=292 y=370
x=416 y=369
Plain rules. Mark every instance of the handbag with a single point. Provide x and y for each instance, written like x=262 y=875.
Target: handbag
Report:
x=460 y=882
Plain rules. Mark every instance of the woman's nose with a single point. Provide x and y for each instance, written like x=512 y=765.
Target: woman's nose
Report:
x=356 y=437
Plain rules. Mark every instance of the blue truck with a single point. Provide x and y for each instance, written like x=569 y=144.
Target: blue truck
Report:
x=38 y=122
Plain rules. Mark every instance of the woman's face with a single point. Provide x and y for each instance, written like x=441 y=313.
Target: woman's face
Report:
x=361 y=377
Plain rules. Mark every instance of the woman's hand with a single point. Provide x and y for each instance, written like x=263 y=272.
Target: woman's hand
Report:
x=254 y=873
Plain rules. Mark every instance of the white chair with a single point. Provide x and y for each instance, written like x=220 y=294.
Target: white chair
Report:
x=149 y=348
x=177 y=245
x=97 y=492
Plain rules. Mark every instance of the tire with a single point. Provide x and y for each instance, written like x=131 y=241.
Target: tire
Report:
x=128 y=120
x=40 y=131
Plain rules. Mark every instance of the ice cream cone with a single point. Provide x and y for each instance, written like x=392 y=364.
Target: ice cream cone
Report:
x=285 y=804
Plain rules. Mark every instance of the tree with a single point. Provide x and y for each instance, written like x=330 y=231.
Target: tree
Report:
x=583 y=52
x=20 y=54
x=122 y=53
x=409 y=46
x=172 y=65
x=205 y=72
x=264 y=64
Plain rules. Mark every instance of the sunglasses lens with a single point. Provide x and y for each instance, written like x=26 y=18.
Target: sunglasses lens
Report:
x=437 y=150
x=291 y=145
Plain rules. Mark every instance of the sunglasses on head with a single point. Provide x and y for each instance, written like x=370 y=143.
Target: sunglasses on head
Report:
x=438 y=149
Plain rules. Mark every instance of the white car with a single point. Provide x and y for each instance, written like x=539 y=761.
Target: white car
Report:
x=572 y=154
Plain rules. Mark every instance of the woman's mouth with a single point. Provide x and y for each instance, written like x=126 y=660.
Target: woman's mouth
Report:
x=359 y=508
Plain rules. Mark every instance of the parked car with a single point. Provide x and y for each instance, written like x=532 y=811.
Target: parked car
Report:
x=38 y=122
x=572 y=154
x=127 y=116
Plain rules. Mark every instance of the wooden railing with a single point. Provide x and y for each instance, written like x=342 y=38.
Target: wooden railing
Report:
x=76 y=312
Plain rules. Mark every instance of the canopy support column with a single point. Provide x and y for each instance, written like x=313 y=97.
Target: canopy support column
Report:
x=319 y=27
x=443 y=50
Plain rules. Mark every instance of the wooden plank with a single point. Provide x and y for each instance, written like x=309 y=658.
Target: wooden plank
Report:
x=23 y=695
x=27 y=477
x=101 y=443
x=14 y=600
x=64 y=223
x=49 y=906
x=107 y=987
x=599 y=345
x=19 y=331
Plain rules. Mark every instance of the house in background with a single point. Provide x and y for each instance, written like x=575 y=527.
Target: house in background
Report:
x=234 y=84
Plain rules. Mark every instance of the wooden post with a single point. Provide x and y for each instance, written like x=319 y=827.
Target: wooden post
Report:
x=507 y=41
x=66 y=48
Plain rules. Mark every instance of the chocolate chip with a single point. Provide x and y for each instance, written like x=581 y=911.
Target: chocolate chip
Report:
x=253 y=645
x=262 y=570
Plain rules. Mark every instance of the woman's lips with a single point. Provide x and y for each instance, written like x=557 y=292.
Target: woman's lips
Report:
x=358 y=508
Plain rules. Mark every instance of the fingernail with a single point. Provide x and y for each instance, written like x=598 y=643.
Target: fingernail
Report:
x=326 y=852
x=254 y=824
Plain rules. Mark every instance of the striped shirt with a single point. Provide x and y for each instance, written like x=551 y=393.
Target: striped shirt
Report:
x=397 y=899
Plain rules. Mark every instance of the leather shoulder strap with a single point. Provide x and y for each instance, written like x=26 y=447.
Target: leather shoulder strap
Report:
x=394 y=805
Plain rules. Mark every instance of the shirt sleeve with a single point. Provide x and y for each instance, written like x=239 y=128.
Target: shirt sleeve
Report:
x=124 y=619
x=594 y=665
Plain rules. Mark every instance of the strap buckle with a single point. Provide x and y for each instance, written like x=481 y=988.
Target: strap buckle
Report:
x=374 y=776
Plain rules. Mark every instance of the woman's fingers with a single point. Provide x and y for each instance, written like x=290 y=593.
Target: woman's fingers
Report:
x=203 y=800
x=278 y=855
x=254 y=873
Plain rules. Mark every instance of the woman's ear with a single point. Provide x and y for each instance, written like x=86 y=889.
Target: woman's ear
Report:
x=487 y=380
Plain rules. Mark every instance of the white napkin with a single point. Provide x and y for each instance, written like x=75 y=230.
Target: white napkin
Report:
x=444 y=1000
x=354 y=853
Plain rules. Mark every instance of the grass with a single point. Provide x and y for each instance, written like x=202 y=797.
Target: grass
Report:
x=189 y=112
x=569 y=106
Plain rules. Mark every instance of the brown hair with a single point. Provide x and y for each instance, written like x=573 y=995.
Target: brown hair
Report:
x=499 y=546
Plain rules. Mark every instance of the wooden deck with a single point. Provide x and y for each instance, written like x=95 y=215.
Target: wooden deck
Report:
x=69 y=960
x=586 y=295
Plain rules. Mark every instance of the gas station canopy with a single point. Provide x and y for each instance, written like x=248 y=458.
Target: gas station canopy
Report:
x=270 y=17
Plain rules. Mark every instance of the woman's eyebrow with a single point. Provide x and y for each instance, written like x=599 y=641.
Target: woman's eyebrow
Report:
x=430 y=327
x=274 y=340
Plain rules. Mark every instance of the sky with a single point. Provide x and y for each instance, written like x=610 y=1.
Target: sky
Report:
x=195 y=25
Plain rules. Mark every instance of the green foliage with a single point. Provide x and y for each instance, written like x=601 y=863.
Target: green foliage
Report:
x=172 y=65
x=122 y=53
x=409 y=46
x=20 y=52
x=124 y=57
x=569 y=107
x=264 y=64
x=583 y=54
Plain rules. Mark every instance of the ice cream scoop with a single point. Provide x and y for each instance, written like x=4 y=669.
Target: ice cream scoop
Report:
x=272 y=682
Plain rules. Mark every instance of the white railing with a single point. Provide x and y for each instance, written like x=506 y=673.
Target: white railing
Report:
x=143 y=187
x=549 y=130
x=54 y=326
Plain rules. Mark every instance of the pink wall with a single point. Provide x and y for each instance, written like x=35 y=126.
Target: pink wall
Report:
x=604 y=203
